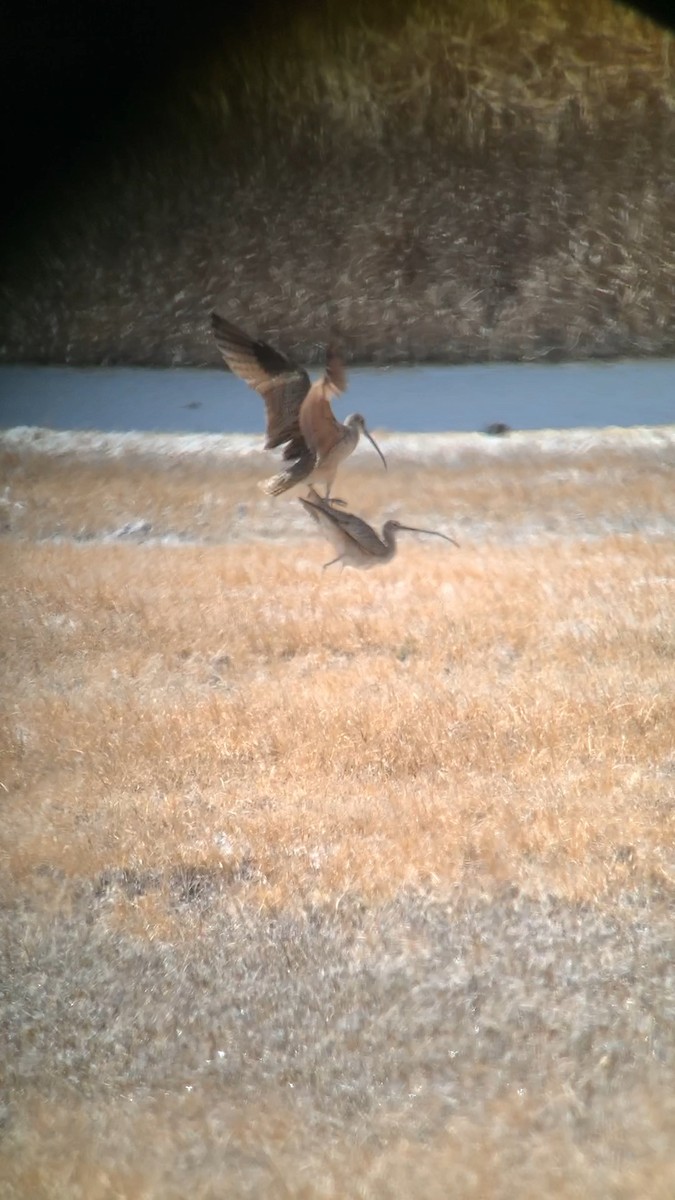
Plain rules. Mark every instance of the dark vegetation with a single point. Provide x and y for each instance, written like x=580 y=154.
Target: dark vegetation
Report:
x=441 y=181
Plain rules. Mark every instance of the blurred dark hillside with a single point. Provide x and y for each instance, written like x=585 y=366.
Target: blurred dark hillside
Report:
x=442 y=181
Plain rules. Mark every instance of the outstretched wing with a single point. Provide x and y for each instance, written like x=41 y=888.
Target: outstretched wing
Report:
x=338 y=524
x=318 y=425
x=281 y=383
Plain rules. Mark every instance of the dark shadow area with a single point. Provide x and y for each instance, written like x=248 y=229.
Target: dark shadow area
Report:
x=445 y=183
x=77 y=80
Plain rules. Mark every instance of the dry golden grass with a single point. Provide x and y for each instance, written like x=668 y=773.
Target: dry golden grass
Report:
x=461 y=71
x=477 y=487
x=254 y=1151
x=501 y=712
x=492 y=712
x=401 y=842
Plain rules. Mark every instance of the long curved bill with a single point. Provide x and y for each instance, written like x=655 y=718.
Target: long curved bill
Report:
x=372 y=441
x=433 y=532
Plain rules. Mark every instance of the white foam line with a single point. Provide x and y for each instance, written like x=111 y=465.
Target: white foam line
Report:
x=446 y=447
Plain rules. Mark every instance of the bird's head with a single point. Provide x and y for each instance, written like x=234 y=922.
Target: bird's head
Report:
x=356 y=421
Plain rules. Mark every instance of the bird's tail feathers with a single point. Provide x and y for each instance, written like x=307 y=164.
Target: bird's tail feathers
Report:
x=296 y=473
x=277 y=484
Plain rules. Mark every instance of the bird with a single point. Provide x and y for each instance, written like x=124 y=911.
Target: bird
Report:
x=356 y=542
x=299 y=413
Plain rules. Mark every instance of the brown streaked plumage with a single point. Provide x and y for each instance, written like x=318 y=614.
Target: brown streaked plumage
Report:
x=357 y=544
x=299 y=413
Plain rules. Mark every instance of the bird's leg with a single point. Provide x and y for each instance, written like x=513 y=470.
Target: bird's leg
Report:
x=330 y=500
x=332 y=562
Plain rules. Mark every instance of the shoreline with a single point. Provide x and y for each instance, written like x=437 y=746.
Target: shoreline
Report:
x=450 y=447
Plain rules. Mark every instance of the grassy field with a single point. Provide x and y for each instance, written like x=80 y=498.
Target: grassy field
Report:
x=339 y=884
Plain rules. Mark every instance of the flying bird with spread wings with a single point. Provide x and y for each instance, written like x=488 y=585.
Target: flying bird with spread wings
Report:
x=299 y=413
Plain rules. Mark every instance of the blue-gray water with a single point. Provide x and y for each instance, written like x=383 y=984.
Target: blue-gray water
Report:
x=413 y=399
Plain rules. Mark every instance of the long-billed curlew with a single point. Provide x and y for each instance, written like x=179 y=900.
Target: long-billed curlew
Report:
x=357 y=544
x=299 y=415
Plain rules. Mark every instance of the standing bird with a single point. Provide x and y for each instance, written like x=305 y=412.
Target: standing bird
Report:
x=299 y=415
x=356 y=542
